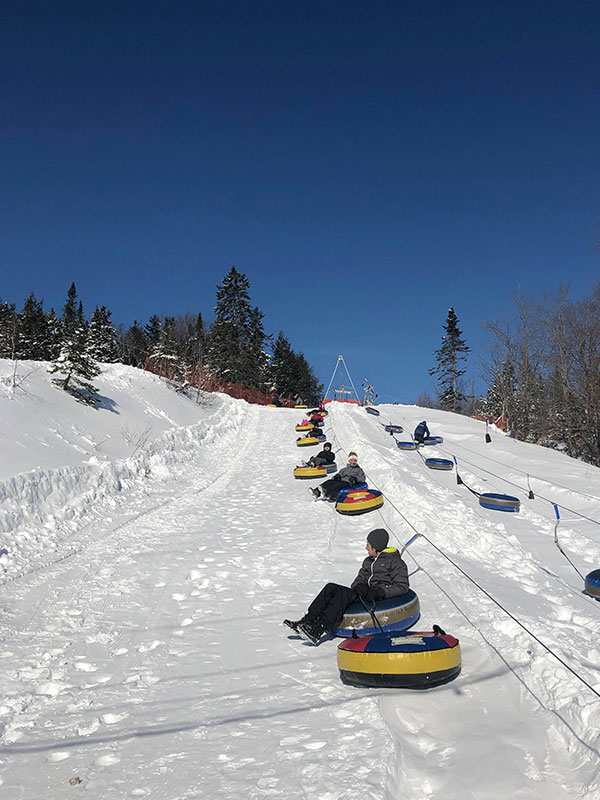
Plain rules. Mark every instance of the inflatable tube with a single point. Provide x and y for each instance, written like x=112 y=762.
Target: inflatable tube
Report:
x=439 y=463
x=331 y=468
x=307 y=427
x=433 y=440
x=393 y=614
x=343 y=492
x=301 y=406
x=370 y=410
x=415 y=660
x=307 y=441
x=394 y=428
x=406 y=445
x=310 y=472
x=592 y=584
x=499 y=502
x=359 y=501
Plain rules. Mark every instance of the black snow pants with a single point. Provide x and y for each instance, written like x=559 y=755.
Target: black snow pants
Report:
x=329 y=605
x=333 y=485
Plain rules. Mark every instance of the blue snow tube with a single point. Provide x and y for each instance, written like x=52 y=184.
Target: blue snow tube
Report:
x=370 y=410
x=439 y=463
x=433 y=440
x=499 y=502
x=406 y=445
x=393 y=614
x=394 y=428
x=592 y=584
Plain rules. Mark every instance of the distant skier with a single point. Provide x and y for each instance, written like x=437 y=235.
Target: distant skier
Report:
x=347 y=477
x=382 y=574
x=326 y=456
x=421 y=432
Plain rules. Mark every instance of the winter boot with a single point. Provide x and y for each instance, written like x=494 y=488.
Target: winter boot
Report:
x=293 y=625
x=316 y=491
x=310 y=631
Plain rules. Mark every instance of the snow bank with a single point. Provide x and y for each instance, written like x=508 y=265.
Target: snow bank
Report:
x=142 y=431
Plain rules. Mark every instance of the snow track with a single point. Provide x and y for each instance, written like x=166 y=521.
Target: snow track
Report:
x=152 y=661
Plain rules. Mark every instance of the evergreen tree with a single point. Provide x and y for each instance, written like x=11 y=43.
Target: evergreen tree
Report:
x=449 y=355
x=71 y=317
x=55 y=335
x=283 y=366
x=166 y=353
x=8 y=330
x=76 y=366
x=193 y=344
x=134 y=346
x=153 y=331
x=103 y=344
x=33 y=335
x=230 y=332
x=256 y=366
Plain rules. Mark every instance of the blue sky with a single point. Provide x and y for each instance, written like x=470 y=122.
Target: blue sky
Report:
x=367 y=165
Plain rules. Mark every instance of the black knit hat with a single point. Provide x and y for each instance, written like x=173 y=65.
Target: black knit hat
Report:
x=378 y=539
x=327 y=444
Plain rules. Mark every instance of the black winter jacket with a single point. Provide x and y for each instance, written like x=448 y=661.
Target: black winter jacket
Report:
x=385 y=571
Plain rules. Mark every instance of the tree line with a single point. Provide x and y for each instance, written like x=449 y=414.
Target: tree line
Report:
x=233 y=348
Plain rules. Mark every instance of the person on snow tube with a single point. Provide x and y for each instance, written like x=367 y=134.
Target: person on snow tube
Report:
x=347 y=477
x=383 y=574
x=326 y=456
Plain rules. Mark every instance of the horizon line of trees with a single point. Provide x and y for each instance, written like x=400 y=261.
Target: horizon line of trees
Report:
x=234 y=348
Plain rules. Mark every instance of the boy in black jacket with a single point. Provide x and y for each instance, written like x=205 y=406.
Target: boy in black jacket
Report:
x=382 y=574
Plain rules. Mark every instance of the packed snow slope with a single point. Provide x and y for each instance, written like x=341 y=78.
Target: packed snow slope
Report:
x=151 y=548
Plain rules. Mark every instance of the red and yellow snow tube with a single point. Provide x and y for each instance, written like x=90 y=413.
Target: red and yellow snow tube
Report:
x=359 y=501
x=409 y=660
x=307 y=427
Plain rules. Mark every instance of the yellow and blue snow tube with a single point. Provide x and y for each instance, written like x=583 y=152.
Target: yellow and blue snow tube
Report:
x=301 y=405
x=307 y=441
x=410 y=660
x=310 y=472
x=359 y=501
x=392 y=614
x=307 y=427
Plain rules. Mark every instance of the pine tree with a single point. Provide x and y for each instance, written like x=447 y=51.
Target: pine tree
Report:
x=153 y=331
x=166 y=353
x=134 y=346
x=452 y=351
x=33 y=335
x=230 y=331
x=8 y=330
x=77 y=367
x=55 y=334
x=283 y=366
x=71 y=317
x=103 y=343
x=256 y=359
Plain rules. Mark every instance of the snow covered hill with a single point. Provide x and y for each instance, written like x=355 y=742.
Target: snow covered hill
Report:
x=151 y=548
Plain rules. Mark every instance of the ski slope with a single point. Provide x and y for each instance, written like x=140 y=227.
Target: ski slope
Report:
x=143 y=591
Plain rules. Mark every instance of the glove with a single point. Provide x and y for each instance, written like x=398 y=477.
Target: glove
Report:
x=352 y=481
x=361 y=590
x=374 y=593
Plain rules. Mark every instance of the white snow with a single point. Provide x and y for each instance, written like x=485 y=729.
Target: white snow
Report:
x=150 y=549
